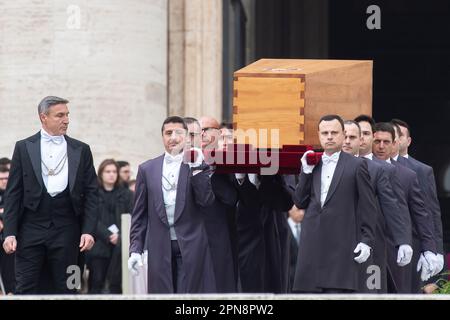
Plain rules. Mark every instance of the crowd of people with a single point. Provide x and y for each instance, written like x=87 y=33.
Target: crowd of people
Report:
x=364 y=219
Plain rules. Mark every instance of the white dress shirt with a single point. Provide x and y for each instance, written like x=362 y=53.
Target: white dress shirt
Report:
x=296 y=228
x=395 y=158
x=406 y=156
x=327 y=175
x=53 y=152
x=369 y=156
x=171 y=172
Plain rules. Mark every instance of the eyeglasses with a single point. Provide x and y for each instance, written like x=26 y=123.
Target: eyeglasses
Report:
x=194 y=134
x=206 y=129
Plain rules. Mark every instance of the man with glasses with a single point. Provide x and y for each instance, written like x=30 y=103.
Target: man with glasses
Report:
x=210 y=132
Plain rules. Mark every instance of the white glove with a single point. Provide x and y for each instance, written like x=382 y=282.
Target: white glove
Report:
x=254 y=179
x=199 y=158
x=239 y=176
x=307 y=168
x=428 y=264
x=134 y=261
x=404 y=255
x=365 y=252
x=145 y=257
x=439 y=263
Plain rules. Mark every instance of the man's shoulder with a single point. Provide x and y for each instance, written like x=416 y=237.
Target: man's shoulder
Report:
x=75 y=142
x=404 y=170
x=355 y=161
x=32 y=138
x=420 y=164
x=151 y=162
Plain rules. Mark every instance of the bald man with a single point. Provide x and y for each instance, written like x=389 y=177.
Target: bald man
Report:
x=210 y=132
x=219 y=218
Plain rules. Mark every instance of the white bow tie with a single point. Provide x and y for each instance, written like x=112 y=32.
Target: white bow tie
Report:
x=326 y=159
x=168 y=158
x=48 y=138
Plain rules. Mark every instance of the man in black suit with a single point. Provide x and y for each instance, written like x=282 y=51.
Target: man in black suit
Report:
x=51 y=202
x=340 y=216
x=424 y=247
x=294 y=221
x=398 y=255
x=427 y=183
x=393 y=228
x=218 y=224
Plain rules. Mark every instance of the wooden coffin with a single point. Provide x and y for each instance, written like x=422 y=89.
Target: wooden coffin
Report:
x=289 y=96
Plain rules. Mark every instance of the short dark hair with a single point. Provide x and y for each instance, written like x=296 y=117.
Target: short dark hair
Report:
x=226 y=125
x=4 y=168
x=191 y=120
x=366 y=118
x=122 y=163
x=397 y=129
x=174 y=119
x=402 y=123
x=355 y=123
x=49 y=101
x=331 y=117
x=385 y=127
x=5 y=161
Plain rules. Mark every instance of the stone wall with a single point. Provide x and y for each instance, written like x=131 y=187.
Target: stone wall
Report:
x=109 y=58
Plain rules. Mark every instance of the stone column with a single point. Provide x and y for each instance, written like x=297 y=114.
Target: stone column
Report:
x=195 y=57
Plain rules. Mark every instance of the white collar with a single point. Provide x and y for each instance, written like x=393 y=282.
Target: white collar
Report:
x=168 y=158
x=369 y=156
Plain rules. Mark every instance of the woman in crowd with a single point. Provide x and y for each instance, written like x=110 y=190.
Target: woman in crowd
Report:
x=104 y=260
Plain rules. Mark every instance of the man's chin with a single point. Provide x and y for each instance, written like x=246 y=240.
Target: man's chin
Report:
x=381 y=156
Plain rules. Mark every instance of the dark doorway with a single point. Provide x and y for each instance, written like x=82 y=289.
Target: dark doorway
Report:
x=411 y=54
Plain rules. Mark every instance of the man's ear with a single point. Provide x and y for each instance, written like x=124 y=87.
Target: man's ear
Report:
x=409 y=141
x=42 y=117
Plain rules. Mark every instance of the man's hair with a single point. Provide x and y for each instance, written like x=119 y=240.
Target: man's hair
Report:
x=402 y=123
x=174 y=119
x=226 y=125
x=355 y=123
x=366 y=118
x=331 y=117
x=385 y=127
x=3 y=168
x=48 y=102
x=397 y=129
x=122 y=163
x=5 y=161
x=191 y=120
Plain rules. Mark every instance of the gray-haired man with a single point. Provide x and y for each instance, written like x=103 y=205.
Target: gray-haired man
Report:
x=51 y=201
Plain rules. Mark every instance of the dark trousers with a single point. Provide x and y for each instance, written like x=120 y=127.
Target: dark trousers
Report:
x=55 y=247
x=101 y=270
x=332 y=291
x=177 y=267
x=7 y=270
